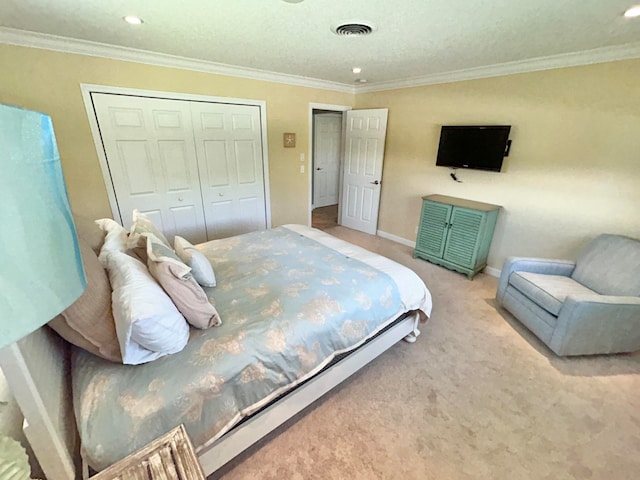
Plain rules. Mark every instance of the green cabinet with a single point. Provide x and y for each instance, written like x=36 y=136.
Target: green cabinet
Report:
x=456 y=233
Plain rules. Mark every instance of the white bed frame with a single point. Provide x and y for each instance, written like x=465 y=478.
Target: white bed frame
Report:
x=37 y=369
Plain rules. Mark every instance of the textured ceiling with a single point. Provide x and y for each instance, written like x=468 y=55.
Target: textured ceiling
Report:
x=413 y=38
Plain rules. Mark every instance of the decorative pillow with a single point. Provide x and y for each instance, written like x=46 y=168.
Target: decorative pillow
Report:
x=201 y=268
x=89 y=231
x=115 y=239
x=148 y=324
x=88 y=323
x=177 y=281
x=142 y=228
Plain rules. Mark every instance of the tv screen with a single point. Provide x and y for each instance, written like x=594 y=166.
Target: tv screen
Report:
x=478 y=147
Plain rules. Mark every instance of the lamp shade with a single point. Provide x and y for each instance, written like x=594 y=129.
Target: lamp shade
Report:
x=41 y=270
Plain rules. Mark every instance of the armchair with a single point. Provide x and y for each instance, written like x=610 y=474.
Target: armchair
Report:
x=590 y=306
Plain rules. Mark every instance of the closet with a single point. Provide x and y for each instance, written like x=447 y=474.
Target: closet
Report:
x=195 y=167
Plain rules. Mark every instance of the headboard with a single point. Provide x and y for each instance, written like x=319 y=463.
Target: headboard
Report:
x=37 y=369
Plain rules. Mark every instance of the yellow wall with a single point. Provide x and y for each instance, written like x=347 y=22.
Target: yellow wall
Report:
x=49 y=82
x=574 y=167
x=573 y=172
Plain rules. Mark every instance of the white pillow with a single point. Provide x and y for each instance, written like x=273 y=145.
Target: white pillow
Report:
x=201 y=268
x=148 y=324
x=115 y=239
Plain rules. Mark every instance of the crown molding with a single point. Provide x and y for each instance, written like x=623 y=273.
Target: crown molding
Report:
x=574 y=59
x=57 y=43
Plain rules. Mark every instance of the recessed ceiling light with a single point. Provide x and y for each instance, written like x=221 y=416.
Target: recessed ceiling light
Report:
x=356 y=70
x=293 y=1
x=133 y=20
x=362 y=80
x=633 y=12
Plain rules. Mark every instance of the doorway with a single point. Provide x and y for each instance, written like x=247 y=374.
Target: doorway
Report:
x=359 y=167
x=325 y=167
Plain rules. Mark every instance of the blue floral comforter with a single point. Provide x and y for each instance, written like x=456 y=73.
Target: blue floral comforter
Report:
x=288 y=305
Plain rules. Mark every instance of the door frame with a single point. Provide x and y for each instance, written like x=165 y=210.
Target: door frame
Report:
x=87 y=89
x=338 y=109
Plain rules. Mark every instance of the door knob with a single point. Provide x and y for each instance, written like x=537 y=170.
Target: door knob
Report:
x=180 y=199
x=221 y=194
x=375 y=183
x=318 y=168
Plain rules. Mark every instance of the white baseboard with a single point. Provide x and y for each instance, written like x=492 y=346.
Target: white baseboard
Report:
x=395 y=238
x=494 y=272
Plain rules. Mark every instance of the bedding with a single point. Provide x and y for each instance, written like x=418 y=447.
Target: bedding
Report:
x=142 y=228
x=200 y=267
x=292 y=298
x=148 y=324
x=88 y=322
x=175 y=278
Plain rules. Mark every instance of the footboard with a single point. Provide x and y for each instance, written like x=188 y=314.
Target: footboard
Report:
x=216 y=455
x=37 y=369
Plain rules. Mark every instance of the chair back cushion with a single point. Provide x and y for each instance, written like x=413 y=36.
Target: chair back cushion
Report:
x=610 y=265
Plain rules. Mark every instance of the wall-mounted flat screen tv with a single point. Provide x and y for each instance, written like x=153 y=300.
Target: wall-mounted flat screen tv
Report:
x=479 y=147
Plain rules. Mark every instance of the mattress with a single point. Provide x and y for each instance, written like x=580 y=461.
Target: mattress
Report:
x=291 y=299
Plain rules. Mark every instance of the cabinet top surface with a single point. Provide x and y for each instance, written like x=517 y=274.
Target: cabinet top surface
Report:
x=462 y=202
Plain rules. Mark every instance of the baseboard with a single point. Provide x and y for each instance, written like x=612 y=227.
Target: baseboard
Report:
x=395 y=238
x=494 y=272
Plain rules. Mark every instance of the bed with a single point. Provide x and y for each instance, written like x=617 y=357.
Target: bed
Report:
x=301 y=312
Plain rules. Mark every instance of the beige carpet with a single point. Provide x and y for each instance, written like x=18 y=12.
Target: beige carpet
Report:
x=476 y=397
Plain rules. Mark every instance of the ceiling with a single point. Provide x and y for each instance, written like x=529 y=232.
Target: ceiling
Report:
x=413 y=39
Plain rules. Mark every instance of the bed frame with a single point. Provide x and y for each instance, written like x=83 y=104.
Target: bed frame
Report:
x=37 y=369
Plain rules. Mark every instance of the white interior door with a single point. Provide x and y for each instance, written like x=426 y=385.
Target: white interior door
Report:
x=362 y=172
x=327 y=132
x=229 y=150
x=150 y=151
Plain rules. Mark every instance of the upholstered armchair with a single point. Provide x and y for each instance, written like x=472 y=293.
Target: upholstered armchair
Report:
x=590 y=306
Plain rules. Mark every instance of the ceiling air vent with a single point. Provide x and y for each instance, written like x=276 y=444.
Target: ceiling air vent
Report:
x=358 y=29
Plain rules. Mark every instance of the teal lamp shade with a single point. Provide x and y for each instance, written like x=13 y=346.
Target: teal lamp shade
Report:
x=41 y=270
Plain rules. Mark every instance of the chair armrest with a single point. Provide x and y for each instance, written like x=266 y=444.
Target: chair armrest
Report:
x=533 y=265
x=590 y=324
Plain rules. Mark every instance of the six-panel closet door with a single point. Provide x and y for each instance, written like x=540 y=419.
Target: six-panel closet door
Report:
x=195 y=168
x=229 y=151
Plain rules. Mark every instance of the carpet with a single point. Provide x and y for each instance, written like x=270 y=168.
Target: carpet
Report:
x=476 y=397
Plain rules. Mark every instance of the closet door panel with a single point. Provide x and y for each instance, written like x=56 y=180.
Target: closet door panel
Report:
x=195 y=167
x=151 y=155
x=229 y=149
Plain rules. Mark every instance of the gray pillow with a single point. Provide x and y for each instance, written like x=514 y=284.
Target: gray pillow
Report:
x=201 y=268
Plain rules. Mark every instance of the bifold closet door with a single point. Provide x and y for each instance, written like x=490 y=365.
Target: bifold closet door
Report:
x=152 y=161
x=229 y=149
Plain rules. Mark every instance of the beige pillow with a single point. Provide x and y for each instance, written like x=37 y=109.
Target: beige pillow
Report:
x=88 y=323
x=176 y=279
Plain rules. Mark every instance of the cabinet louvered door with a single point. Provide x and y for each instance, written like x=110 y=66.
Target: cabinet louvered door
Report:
x=432 y=233
x=464 y=229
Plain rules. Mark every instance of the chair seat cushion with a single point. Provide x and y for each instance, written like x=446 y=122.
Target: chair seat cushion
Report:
x=547 y=291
